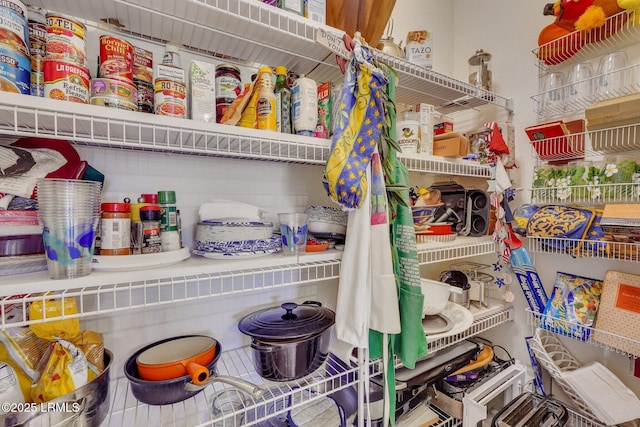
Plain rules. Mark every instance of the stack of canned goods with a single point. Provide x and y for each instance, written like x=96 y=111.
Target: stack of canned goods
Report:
x=115 y=88
x=66 y=76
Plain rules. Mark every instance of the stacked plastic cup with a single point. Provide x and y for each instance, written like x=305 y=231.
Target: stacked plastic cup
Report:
x=69 y=212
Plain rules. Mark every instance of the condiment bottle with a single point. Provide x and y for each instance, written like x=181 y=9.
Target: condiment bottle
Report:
x=115 y=229
x=304 y=97
x=266 y=105
x=283 y=101
x=169 y=236
x=150 y=242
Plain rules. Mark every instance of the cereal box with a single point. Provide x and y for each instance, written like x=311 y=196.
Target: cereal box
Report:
x=419 y=48
x=323 y=129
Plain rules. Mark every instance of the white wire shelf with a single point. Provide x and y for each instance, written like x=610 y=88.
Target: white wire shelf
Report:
x=619 y=31
x=435 y=164
x=615 y=343
x=590 y=144
x=27 y=116
x=278 y=398
x=253 y=33
x=564 y=102
x=587 y=194
x=606 y=250
x=193 y=279
x=461 y=247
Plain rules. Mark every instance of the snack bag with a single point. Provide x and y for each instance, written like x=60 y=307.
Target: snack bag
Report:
x=63 y=369
x=92 y=346
x=572 y=306
x=65 y=329
x=16 y=384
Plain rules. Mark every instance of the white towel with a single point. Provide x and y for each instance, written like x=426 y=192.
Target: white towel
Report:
x=222 y=209
x=611 y=401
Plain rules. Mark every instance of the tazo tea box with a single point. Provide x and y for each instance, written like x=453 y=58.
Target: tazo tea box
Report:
x=143 y=78
x=202 y=77
x=419 y=48
x=323 y=129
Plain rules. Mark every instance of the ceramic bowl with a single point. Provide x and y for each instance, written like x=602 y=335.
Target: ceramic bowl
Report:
x=436 y=295
x=326 y=220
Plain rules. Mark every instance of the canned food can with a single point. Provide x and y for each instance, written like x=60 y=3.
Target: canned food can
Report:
x=14 y=30
x=143 y=78
x=66 y=39
x=116 y=59
x=15 y=72
x=113 y=102
x=127 y=92
x=38 y=48
x=66 y=81
x=170 y=98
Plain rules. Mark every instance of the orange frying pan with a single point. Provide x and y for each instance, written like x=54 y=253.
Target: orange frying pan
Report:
x=178 y=357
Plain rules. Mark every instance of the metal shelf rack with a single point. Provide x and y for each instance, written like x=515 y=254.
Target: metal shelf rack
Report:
x=587 y=194
x=620 y=344
x=629 y=252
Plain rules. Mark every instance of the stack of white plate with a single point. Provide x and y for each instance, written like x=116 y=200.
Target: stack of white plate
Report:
x=227 y=238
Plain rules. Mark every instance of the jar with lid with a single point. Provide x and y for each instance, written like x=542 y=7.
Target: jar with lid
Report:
x=228 y=85
x=115 y=229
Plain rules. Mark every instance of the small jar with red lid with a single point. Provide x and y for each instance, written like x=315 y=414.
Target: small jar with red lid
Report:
x=115 y=229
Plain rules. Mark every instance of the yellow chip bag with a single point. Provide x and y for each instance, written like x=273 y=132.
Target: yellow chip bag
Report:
x=62 y=370
x=64 y=329
x=91 y=344
x=14 y=380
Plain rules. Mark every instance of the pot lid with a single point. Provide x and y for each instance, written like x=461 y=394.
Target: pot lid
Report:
x=288 y=321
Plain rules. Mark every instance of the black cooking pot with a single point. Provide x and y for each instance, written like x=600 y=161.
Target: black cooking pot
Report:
x=289 y=341
x=164 y=392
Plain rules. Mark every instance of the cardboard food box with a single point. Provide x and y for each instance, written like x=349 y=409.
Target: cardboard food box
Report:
x=426 y=115
x=619 y=313
x=614 y=117
x=452 y=144
x=419 y=48
x=202 y=78
x=557 y=140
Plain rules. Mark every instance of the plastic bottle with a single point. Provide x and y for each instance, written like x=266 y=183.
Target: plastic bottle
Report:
x=169 y=236
x=283 y=101
x=150 y=242
x=115 y=229
x=266 y=105
x=172 y=55
x=304 y=97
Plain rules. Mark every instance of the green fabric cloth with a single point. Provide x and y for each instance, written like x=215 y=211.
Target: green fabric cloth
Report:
x=411 y=343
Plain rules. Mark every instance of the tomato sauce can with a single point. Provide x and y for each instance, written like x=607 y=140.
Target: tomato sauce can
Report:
x=116 y=59
x=66 y=39
x=38 y=48
x=170 y=98
x=15 y=62
x=66 y=81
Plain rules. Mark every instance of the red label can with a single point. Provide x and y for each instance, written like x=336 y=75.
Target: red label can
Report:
x=66 y=81
x=116 y=59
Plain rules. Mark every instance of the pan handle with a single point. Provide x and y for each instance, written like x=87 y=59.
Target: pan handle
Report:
x=249 y=388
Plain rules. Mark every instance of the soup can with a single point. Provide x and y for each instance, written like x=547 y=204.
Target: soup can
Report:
x=170 y=98
x=38 y=48
x=66 y=39
x=116 y=59
x=15 y=66
x=66 y=81
x=113 y=102
x=116 y=88
x=143 y=78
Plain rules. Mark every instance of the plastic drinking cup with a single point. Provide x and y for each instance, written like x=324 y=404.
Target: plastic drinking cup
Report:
x=293 y=228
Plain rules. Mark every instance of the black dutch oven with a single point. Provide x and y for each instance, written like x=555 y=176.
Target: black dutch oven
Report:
x=289 y=341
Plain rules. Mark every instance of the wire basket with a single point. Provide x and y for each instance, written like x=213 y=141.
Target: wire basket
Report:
x=553 y=356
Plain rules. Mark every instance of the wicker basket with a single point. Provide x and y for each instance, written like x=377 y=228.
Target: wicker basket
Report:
x=556 y=359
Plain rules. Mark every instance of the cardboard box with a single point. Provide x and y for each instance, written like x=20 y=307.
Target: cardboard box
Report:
x=553 y=140
x=450 y=145
x=202 y=78
x=316 y=10
x=442 y=127
x=620 y=216
x=619 y=313
x=419 y=48
x=426 y=118
x=615 y=117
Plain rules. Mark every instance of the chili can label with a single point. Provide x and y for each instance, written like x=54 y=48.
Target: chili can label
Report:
x=170 y=98
x=116 y=59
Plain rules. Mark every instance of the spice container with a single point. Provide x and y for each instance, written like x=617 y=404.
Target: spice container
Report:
x=115 y=229
x=169 y=235
x=150 y=242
